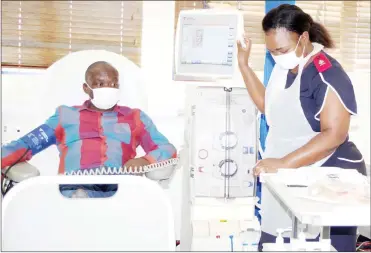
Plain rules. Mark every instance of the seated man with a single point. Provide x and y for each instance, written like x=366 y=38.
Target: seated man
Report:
x=96 y=134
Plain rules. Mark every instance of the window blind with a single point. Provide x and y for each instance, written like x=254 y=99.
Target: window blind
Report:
x=38 y=33
x=355 y=35
x=185 y=5
x=349 y=25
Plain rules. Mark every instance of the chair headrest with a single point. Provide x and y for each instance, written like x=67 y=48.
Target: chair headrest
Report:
x=66 y=76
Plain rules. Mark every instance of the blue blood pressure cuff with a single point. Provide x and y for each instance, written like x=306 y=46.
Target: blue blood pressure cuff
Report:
x=39 y=138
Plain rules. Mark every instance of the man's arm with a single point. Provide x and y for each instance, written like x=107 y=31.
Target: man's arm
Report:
x=34 y=142
x=154 y=143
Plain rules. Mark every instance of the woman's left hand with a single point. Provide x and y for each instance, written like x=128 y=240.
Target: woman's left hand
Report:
x=269 y=165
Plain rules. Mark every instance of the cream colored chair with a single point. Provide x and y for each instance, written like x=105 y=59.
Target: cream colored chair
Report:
x=36 y=217
x=64 y=81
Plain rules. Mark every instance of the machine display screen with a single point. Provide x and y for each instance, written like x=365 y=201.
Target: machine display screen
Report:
x=206 y=44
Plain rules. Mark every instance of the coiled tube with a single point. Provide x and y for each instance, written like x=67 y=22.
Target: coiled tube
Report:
x=124 y=170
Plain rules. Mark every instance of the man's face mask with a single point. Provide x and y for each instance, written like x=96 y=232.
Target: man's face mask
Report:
x=105 y=98
x=289 y=60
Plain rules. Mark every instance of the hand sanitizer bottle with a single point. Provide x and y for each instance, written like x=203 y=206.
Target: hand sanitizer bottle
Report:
x=279 y=241
x=301 y=242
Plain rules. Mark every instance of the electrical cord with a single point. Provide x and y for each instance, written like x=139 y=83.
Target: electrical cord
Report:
x=7 y=171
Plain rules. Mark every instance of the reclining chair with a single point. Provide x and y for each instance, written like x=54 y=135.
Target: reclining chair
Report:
x=38 y=195
x=37 y=217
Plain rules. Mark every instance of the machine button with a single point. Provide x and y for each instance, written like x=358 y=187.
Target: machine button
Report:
x=203 y=154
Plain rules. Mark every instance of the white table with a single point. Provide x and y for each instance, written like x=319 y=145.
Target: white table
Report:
x=315 y=213
x=366 y=231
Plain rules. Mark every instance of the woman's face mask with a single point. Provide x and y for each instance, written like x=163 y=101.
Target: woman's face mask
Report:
x=105 y=98
x=289 y=60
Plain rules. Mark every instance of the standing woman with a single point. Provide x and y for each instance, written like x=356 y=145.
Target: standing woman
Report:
x=308 y=104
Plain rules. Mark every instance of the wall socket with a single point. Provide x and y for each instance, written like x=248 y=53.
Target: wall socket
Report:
x=10 y=133
x=8 y=129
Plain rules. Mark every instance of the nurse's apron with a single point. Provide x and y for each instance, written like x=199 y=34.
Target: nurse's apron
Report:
x=289 y=130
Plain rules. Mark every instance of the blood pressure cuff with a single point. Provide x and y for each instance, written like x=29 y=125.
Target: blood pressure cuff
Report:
x=39 y=139
x=32 y=143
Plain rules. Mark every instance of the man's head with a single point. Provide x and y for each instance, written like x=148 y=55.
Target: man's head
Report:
x=102 y=85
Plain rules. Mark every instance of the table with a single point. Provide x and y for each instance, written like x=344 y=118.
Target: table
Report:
x=312 y=212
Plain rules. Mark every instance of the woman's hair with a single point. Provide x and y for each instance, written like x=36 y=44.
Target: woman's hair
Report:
x=296 y=20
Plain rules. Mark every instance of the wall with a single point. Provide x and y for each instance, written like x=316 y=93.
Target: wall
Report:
x=22 y=93
x=360 y=125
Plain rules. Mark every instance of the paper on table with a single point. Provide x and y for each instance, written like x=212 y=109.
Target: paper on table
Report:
x=334 y=189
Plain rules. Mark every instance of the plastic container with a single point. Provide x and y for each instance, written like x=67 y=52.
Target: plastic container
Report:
x=280 y=246
x=250 y=236
x=300 y=244
x=269 y=247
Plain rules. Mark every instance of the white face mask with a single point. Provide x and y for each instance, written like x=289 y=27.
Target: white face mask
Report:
x=105 y=98
x=289 y=60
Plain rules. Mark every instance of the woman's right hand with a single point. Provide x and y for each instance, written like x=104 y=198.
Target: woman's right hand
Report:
x=243 y=53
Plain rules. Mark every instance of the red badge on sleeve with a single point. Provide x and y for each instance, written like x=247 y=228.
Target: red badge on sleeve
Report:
x=322 y=63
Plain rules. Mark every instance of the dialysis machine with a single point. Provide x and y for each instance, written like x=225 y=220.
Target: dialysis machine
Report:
x=218 y=191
